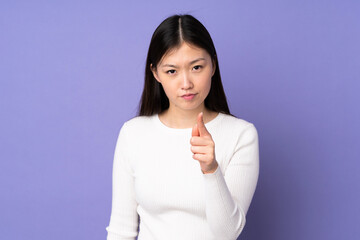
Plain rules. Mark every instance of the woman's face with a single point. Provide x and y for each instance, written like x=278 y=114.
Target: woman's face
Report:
x=185 y=74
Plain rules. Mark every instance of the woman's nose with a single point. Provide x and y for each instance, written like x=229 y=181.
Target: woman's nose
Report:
x=186 y=82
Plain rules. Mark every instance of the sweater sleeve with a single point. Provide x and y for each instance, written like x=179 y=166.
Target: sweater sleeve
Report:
x=228 y=196
x=124 y=218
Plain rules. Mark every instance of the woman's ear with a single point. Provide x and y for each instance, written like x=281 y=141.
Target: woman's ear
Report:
x=214 y=67
x=154 y=72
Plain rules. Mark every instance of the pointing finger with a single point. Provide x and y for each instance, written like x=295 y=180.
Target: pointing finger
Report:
x=201 y=125
x=195 y=131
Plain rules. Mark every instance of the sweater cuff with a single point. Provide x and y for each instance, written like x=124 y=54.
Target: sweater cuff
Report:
x=214 y=174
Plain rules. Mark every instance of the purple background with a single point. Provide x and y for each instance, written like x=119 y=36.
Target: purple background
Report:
x=72 y=72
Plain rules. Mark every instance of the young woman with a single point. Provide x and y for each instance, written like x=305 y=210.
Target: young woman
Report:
x=185 y=168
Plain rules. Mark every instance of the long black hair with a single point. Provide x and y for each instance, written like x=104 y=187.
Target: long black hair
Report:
x=168 y=35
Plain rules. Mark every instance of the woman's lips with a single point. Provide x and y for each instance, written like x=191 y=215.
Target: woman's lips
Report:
x=188 y=96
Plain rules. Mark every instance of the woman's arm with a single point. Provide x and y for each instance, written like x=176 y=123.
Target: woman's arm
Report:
x=228 y=197
x=124 y=218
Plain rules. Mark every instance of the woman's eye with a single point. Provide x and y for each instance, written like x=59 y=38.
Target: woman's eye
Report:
x=172 y=71
x=198 y=67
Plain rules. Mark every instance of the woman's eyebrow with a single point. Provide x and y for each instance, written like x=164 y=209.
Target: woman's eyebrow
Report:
x=196 y=60
x=175 y=66
x=169 y=65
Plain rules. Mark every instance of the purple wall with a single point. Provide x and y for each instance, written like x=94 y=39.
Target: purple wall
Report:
x=72 y=72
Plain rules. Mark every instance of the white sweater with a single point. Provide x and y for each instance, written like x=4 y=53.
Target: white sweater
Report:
x=156 y=179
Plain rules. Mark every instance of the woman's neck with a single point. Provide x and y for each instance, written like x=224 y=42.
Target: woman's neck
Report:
x=185 y=118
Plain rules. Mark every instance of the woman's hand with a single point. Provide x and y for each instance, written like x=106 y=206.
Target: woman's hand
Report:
x=203 y=146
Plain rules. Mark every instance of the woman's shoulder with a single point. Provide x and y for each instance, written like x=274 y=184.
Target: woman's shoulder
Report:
x=138 y=122
x=235 y=122
x=241 y=129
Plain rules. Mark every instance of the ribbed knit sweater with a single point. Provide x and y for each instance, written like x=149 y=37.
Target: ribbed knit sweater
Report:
x=156 y=181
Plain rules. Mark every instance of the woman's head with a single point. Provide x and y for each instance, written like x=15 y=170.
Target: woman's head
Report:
x=170 y=36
